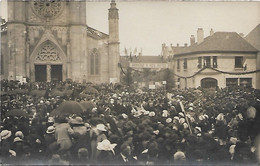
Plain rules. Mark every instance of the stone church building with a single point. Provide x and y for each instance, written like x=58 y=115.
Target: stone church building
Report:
x=49 y=40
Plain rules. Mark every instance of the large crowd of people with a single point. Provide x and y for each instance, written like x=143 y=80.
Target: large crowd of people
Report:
x=127 y=125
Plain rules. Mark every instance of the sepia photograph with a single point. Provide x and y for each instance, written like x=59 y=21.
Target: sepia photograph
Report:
x=130 y=82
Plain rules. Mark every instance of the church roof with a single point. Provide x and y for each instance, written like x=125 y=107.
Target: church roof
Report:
x=254 y=37
x=219 y=42
x=95 y=33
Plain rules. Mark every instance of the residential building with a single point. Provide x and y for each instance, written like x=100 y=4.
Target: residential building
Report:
x=219 y=60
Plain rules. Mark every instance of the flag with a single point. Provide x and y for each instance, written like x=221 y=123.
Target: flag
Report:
x=131 y=56
x=126 y=52
x=135 y=51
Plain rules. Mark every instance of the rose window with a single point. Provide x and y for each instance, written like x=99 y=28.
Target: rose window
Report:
x=47 y=8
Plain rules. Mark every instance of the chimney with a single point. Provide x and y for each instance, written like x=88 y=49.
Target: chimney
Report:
x=192 y=40
x=185 y=44
x=211 y=32
x=178 y=45
x=163 y=46
x=200 y=35
x=241 y=34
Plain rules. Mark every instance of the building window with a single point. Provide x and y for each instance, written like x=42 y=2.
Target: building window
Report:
x=238 y=62
x=179 y=83
x=246 y=82
x=215 y=62
x=94 y=62
x=232 y=82
x=185 y=64
x=199 y=62
x=207 y=61
x=2 y=64
x=178 y=64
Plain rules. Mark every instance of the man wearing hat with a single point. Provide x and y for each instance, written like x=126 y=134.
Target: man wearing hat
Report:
x=19 y=148
x=5 y=136
x=50 y=141
x=97 y=136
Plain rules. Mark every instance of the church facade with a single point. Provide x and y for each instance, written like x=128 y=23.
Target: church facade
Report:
x=51 y=41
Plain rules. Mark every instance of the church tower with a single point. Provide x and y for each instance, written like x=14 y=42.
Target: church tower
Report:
x=113 y=45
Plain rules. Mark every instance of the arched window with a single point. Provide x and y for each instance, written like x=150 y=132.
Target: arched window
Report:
x=209 y=83
x=94 y=62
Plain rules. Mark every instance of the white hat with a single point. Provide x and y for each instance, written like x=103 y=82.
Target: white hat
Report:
x=146 y=112
x=233 y=140
x=182 y=120
x=240 y=116
x=220 y=117
x=201 y=117
x=185 y=125
x=251 y=112
x=175 y=128
x=156 y=132
x=5 y=134
x=165 y=113
x=206 y=116
x=152 y=113
x=19 y=134
x=145 y=151
x=18 y=139
x=176 y=118
x=50 y=129
x=198 y=128
x=181 y=114
x=191 y=108
x=106 y=146
x=112 y=101
x=232 y=149
x=114 y=95
x=124 y=116
x=169 y=120
x=101 y=127
x=179 y=156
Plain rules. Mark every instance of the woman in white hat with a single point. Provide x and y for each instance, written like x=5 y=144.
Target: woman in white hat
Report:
x=98 y=136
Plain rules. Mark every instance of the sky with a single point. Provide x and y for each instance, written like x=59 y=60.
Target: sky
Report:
x=147 y=24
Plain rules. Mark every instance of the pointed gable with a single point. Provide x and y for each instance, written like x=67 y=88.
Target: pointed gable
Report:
x=254 y=37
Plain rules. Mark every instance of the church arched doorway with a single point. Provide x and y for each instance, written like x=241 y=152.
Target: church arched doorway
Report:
x=209 y=83
x=48 y=63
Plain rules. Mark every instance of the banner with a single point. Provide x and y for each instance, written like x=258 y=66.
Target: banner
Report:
x=19 y=78
x=151 y=86
x=113 y=80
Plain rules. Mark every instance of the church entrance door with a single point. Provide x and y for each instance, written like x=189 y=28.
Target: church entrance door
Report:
x=56 y=72
x=40 y=73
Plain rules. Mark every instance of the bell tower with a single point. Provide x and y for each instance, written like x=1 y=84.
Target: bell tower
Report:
x=16 y=35
x=113 y=45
